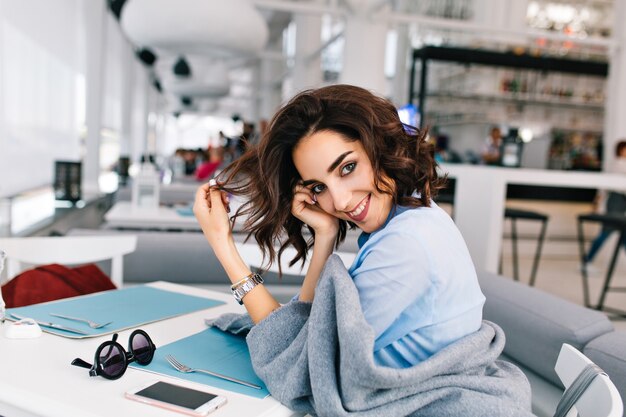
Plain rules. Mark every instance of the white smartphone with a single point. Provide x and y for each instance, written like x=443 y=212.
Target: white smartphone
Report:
x=173 y=397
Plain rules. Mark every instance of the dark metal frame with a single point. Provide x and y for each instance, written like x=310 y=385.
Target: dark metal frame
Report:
x=514 y=215
x=619 y=223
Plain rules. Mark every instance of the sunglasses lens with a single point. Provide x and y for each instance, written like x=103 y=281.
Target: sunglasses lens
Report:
x=112 y=360
x=142 y=349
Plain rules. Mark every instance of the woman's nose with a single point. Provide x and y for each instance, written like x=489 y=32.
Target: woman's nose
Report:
x=341 y=198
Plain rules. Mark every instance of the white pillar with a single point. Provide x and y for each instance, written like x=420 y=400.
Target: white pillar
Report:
x=614 y=121
x=140 y=114
x=255 y=99
x=492 y=13
x=516 y=12
x=364 y=50
x=95 y=39
x=128 y=77
x=150 y=147
x=506 y=15
x=400 y=84
x=3 y=187
x=6 y=206
x=307 y=71
x=271 y=75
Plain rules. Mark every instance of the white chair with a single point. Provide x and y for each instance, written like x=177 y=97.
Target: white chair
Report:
x=25 y=252
x=253 y=257
x=600 y=399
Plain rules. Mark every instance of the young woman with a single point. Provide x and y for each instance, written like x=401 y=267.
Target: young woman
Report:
x=339 y=157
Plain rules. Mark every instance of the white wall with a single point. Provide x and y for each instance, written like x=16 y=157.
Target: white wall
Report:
x=40 y=77
x=43 y=90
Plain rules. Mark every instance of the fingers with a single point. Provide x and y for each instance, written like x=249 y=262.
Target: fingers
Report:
x=226 y=201
x=216 y=198
x=201 y=195
x=303 y=194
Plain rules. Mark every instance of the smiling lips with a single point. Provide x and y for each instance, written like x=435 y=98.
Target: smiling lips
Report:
x=359 y=213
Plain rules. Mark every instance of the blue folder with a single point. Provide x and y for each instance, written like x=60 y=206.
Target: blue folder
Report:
x=126 y=308
x=213 y=350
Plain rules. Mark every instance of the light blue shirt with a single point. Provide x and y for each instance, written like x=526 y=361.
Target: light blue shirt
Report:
x=417 y=285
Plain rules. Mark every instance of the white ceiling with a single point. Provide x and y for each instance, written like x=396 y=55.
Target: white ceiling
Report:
x=222 y=45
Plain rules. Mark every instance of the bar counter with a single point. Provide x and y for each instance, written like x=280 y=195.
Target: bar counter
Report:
x=480 y=195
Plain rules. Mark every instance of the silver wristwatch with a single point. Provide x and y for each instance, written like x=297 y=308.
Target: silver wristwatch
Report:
x=246 y=285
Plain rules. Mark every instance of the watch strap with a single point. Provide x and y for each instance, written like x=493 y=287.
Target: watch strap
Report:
x=243 y=287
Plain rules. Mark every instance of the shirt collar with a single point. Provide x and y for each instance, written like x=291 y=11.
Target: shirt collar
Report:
x=395 y=210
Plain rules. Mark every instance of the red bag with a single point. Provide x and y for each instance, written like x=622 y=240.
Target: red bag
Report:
x=54 y=282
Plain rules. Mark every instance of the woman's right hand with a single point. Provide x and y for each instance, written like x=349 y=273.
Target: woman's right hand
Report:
x=210 y=209
x=305 y=208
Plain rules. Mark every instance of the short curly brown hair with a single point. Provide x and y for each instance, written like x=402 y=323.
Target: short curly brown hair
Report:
x=267 y=176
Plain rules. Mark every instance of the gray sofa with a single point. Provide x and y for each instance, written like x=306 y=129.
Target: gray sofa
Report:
x=536 y=323
x=182 y=257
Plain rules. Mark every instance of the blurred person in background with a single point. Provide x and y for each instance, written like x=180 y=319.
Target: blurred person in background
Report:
x=615 y=205
x=491 y=151
x=214 y=159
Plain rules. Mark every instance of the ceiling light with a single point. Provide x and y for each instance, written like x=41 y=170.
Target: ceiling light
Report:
x=181 y=68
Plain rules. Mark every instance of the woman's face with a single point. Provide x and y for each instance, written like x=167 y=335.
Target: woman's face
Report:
x=340 y=174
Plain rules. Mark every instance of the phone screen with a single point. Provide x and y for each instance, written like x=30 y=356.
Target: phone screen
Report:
x=177 y=395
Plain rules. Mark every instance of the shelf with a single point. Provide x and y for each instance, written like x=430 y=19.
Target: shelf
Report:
x=511 y=60
x=569 y=69
x=521 y=99
x=442 y=119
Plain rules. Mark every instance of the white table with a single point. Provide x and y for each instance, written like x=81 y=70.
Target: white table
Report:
x=36 y=378
x=124 y=215
x=480 y=195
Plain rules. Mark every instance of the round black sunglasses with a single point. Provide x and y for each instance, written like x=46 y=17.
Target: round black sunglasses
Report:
x=111 y=360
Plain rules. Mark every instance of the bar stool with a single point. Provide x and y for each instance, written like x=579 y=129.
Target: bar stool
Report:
x=517 y=214
x=613 y=221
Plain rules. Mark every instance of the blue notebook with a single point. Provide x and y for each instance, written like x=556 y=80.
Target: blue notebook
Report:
x=213 y=350
x=125 y=308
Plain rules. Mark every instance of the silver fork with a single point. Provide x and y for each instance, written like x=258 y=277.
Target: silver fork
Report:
x=91 y=324
x=184 y=368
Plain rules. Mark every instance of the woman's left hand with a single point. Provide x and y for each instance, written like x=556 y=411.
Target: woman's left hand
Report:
x=305 y=207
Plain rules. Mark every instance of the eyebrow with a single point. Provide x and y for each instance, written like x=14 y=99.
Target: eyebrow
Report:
x=339 y=159
x=331 y=168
